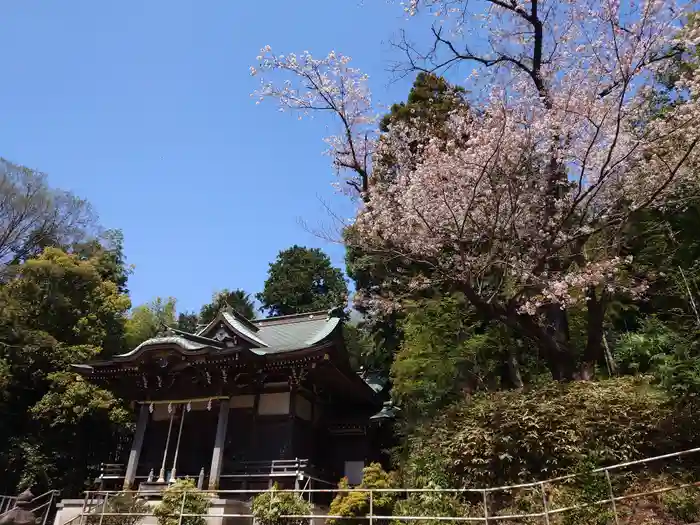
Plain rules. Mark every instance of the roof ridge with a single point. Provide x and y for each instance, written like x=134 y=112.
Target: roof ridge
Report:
x=195 y=337
x=291 y=316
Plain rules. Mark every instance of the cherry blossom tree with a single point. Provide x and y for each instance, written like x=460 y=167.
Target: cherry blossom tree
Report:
x=329 y=85
x=521 y=203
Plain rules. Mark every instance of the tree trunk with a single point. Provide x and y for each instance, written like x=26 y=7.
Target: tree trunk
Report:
x=513 y=366
x=561 y=359
x=552 y=339
x=593 y=353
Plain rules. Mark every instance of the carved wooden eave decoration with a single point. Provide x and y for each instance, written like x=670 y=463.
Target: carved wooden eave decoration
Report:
x=225 y=357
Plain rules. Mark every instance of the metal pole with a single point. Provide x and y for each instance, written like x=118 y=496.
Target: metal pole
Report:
x=161 y=476
x=177 y=446
x=82 y=512
x=544 y=502
x=371 y=506
x=182 y=507
x=49 y=508
x=612 y=496
x=486 y=509
x=104 y=504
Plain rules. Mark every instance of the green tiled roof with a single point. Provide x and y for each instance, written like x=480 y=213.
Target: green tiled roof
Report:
x=268 y=336
x=301 y=333
x=242 y=329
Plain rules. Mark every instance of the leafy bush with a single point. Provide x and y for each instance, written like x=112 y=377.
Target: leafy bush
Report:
x=440 y=504
x=355 y=504
x=447 y=351
x=122 y=503
x=270 y=506
x=637 y=352
x=195 y=502
x=511 y=437
x=683 y=504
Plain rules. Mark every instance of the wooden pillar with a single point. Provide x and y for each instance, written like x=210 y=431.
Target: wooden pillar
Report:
x=292 y=445
x=136 y=446
x=217 y=457
x=252 y=445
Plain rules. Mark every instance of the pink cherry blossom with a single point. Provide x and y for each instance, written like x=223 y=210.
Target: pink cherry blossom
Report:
x=519 y=202
x=328 y=84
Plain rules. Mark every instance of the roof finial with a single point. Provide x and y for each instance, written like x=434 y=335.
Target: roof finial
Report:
x=337 y=311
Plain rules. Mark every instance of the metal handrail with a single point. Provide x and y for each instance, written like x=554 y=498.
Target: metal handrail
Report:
x=546 y=513
x=51 y=493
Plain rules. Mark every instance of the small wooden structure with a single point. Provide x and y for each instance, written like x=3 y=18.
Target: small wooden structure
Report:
x=242 y=404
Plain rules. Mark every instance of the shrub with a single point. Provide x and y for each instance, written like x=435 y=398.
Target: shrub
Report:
x=195 y=502
x=683 y=504
x=440 y=504
x=503 y=438
x=122 y=503
x=270 y=506
x=356 y=504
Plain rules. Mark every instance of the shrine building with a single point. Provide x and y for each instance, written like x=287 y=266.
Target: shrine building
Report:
x=242 y=404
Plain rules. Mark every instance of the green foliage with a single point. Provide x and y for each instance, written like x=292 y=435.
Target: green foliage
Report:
x=107 y=255
x=683 y=504
x=638 y=352
x=501 y=438
x=302 y=280
x=55 y=310
x=429 y=103
x=187 y=322
x=679 y=371
x=182 y=497
x=359 y=347
x=269 y=507
x=147 y=320
x=237 y=299
x=125 y=504
x=447 y=353
x=588 y=488
x=431 y=99
x=440 y=358
x=433 y=504
x=355 y=504
x=672 y=355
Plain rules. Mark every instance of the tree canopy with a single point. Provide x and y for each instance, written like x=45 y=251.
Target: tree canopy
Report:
x=237 y=299
x=33 y=215
x=302 y=280
x=519 y=199
x=57 y=309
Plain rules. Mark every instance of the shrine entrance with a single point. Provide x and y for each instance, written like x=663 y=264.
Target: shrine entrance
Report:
x=178 y=440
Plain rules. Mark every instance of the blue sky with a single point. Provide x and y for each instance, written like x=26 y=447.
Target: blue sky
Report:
x=144 y=108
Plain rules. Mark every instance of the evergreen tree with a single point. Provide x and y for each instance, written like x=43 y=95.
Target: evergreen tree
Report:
x=237 y=299
x=302 y=280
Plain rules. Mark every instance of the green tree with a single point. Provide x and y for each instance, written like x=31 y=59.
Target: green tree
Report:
x=448 y=352
x=107 y=253
x=429 y=102
x=148 y=319
x=187 y=322
x=55 y=310
x=359 y=347
x=431 y=99
x=302 y=280
x=237 y=299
